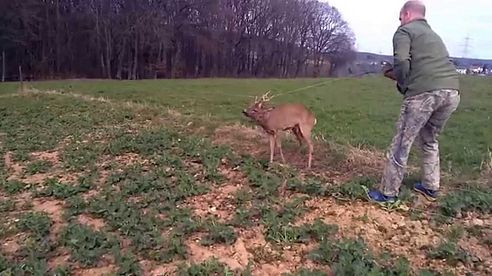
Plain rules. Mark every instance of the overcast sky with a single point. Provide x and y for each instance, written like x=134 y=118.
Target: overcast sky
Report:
x=375 y=21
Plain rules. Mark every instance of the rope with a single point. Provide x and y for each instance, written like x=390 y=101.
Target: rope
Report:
x=315 y=85
x=302 y=88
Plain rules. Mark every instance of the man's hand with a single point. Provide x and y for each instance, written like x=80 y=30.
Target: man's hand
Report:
x=388 y=72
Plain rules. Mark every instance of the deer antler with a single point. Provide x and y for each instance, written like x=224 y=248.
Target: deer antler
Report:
x=265 y=97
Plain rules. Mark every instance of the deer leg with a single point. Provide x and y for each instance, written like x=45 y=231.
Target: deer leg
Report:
x=306 y=133
x=279 y=145
x=272 y=147
x=310 y=154
x=298 y=135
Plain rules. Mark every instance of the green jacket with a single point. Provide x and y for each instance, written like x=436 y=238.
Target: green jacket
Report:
x=421 y=60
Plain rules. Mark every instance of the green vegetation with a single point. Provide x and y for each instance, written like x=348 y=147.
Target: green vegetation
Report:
x=13 y=187
x=449 y=249
x=209 y=267
x=464 y=200
x=39 y=166
x=52 y=187
x=218 y=233
x=86 y=245
x=140 y=178
x=351 y=257
x=355 y=111
x=38 y=223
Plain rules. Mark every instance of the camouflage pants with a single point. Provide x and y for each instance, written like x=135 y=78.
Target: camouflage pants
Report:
x=422 y=118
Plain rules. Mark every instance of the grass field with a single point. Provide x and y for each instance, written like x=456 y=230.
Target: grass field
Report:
x=165 y=177
x=350 y=111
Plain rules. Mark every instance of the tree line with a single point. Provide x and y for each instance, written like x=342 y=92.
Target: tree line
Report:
x=137 y=39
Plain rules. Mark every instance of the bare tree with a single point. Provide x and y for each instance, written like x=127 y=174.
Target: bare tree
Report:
x=172 y=38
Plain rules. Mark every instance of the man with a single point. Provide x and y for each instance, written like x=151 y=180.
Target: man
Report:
x=430 y=86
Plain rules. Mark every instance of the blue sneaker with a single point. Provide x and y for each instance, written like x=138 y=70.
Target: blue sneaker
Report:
x=377 y=196
x=430 y=195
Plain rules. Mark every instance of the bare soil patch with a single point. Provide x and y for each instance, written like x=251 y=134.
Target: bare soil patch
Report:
x=243 y=139
x=121 y=161
x=234 y=256
x=62 y=258
x=102 y=270
x=129 y=159
x=23 y=199
x=389 y=231
x=252 y=248
x=219 y=203
x=333 y=164
x=14 y=168
x=90 y=194
x=52 y=156
x=17 y=169
x=149 y=268
x=95 y=223
x=10 y=245
x=54 y=208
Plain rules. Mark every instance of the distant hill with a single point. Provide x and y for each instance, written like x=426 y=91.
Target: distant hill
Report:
x=461 y=62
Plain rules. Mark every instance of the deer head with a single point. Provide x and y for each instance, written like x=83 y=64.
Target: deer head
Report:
x=258 y=107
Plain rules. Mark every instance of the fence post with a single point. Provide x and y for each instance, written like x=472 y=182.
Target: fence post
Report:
x=3 y=65
x=21 y=79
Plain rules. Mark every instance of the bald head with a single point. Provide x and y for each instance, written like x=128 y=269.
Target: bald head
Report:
x=414 y=6
x=412 y=10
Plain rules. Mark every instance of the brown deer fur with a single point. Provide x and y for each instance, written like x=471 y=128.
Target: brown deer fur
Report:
x=290 y=116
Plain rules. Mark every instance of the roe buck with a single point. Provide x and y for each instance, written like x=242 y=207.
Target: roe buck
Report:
x=290 y=116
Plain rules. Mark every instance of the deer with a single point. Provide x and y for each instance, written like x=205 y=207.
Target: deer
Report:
x=295 y=117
